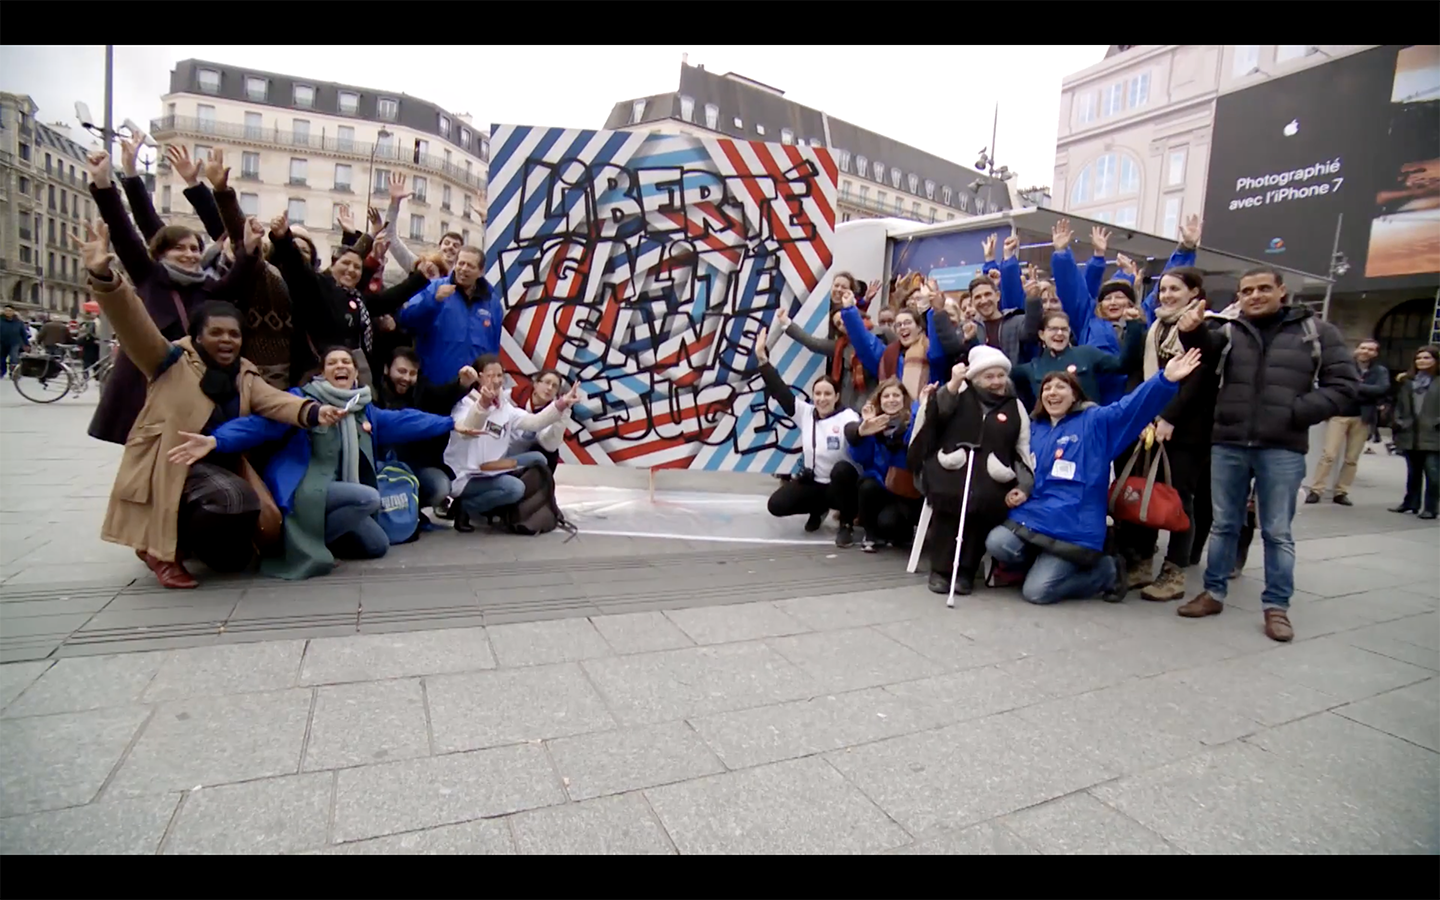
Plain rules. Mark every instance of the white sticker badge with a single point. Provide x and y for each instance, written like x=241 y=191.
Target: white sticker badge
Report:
x=1063 y=468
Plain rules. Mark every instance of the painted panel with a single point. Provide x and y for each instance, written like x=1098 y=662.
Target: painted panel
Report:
x=642 y=265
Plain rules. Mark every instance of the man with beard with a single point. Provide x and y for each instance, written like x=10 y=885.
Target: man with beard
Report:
x=401 y=388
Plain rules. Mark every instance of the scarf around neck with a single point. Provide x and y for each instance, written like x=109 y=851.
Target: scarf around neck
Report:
x=837 y=365
x=325 y=392
x=219 y=383
x=179 y=276
x=1162 y=344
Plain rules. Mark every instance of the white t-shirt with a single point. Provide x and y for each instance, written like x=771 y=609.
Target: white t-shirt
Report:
x=823 y=440
x=498 y=427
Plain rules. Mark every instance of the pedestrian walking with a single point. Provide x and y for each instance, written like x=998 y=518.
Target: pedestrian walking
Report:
x=1346 y=435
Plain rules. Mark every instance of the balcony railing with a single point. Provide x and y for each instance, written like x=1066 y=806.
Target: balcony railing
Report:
x=343 y=189
x=164 y=128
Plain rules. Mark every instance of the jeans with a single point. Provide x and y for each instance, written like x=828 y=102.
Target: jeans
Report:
x=1344 y=437
x=9 y=356
x=794 y=498
x=434 y=486
x=485 y=494
x=1050 y=579
x=1422 y=467
x=1278 y=475
x=350 y=510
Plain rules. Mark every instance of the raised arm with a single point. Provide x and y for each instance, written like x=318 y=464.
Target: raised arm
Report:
x=398 y=251
x=418 y=315
x=775 y=387
x=207 y=209
x=139 y=337
x=386 y=302
x=129 y=246
x=823 y=346
x=1095 y=266
x=868 y=347
x=1012 y=286
x=196 y=191
x=1122 y=421
x=142 y=206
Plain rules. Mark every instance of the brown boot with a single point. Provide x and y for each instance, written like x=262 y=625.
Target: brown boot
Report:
x=1169 y=586
x=1277 y=626
x=1202 y=605
x=171 y=575
x=1142 y=573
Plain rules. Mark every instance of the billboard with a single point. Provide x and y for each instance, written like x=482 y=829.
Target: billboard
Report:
x=641 y=266
x=953 y=259
x=1350 y=144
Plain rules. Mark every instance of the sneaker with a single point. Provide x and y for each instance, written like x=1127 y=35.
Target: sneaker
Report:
x=1277 y=626
x=1343 y=500
x=1203 y=605
x=1312 y=497
x=845 y=537
x=813 y=523
x=446 y=509
x=1427 y=514
x=1122 y=582
x=870 y=545
x=1142 y=573
x=1169 y=586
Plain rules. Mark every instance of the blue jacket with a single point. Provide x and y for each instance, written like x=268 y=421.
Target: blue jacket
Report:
x=1087 y=329
x=1074 y=509
x=451 y=333
x=874 y=456
x=13 y=332
x=869 y=348
x=287 y=467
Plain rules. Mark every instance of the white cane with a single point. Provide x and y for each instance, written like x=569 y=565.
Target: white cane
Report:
x=960 y=529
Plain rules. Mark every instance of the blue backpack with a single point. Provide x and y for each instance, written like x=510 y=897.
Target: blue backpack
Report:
x=399 y=502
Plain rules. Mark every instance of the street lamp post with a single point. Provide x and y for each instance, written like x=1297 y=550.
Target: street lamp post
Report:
x=987 y=166
x=1339 y=265
x=381 y=135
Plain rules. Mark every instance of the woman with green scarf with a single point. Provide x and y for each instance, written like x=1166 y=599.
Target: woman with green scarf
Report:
x=324 y=478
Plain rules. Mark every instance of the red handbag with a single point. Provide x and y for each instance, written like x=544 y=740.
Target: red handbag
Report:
x=1144 y=501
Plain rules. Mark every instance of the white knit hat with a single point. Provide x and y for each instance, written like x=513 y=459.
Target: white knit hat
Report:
x=985 y=357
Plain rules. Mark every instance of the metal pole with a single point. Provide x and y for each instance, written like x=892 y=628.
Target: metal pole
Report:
x=1334 y=250
x=109 y=138
x=369 y=186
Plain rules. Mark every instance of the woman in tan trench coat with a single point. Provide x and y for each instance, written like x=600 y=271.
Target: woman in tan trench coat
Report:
x=217 y=511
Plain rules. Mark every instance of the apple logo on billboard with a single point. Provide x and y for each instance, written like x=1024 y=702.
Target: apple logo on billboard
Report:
x=1293 y=128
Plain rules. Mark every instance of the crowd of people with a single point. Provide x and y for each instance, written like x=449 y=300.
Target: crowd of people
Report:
x=264 y=397
x=1011 y=414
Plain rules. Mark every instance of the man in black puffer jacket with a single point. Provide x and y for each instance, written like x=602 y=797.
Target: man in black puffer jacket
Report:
x=1281 y=371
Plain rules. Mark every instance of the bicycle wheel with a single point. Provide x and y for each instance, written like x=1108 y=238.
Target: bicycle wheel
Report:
x=43 y=390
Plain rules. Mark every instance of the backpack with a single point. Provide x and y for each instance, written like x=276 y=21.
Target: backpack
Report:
x=399 y=502
x=537 y=512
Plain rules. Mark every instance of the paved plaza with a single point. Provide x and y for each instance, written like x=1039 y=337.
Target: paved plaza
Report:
x=622 y=692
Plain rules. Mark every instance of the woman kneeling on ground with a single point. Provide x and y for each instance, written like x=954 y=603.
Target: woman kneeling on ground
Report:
x=1059 y=531
x=827 y=479
x=324 y=477
x=210 y=511
x=889 y=505
x=974 y=419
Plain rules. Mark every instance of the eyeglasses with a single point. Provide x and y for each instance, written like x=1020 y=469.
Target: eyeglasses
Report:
x=1061 y=330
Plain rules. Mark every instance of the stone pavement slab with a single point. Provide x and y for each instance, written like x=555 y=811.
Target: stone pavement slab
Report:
x=217 y=671
x=211 y=741
x=373 y=657
x=986 y=839
x=622 y=824
x=538 y=643
x=641 y=632
x=119 y=827
x=1079 y=824
x=1411 y=713
x=509 y=706
x=799 y=806
x=739 y=622
x=52 y=762
x=626 y=759
x=16 y=677
x=273 y=815
x=358 y=724
x=94 y=682
x=374 y=801
x=854 y=658
x=485 y=837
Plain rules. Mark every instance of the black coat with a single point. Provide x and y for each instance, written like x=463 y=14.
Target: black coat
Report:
x=1374 y=388
x=1269 y=397
x=952 y=420
x=437 y=399
x=1417 y=416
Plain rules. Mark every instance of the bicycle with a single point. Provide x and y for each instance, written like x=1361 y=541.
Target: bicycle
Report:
x=43 y=376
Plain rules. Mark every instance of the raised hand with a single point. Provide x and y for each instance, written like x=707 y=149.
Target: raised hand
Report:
x=468 y=376
x=280 y=225
x=1190 y=232
x=129 y=155
x=1060 y=234
x=1193 y=316
x=377 y=222
x=847 y=299
x=95 y=249
x=874 y=424
x=1015 y=498
x=215 y=171
x=444 y=291
x=195 y=448
x=331 y=415
x=397 y=187
x=988 y=244
x=926 y=393
x=572 y=397
x=1126 y=264
x=385 y=323
x=489 y=396
x=1133 y=314
x=957 y=376
x=782 y=318
x=188 y=168
x=867 y=411
x=345 y=217
x=1180 y=366
x=1099 y=239
x=98 y=162
x=254 y=233
x=380 y=248
x=872 y=291
x=1012 y=246
x=968 y=329
x=762 y=355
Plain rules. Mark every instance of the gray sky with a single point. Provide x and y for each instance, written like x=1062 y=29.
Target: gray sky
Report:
x=940 y=99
